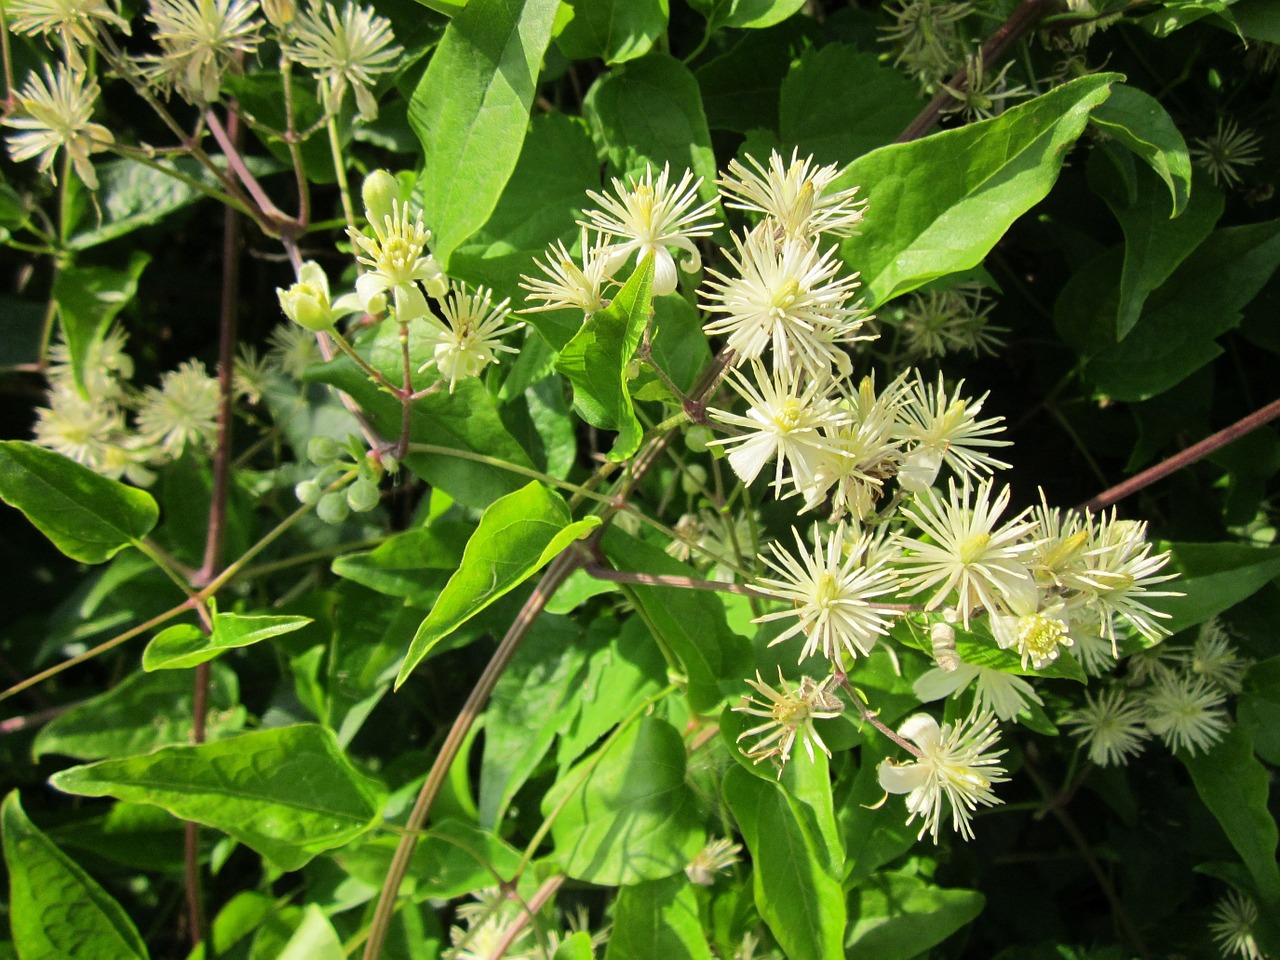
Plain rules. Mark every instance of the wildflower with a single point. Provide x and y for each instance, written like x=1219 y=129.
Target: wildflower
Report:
x=1036 y=631
x=1186 y=712
x=782 y=420
x=1001 y=693
x=955 y=761
x=1213 y=657
x=983 y=95
x=486 y=925
x=54 y=114
x=1091 y=650
x=345 y=51
x=925 y=31
x=946 y=430
x=1234 y=917
x=571 y=286
x=293 y=349
x=74 y=21
x=786 y=296
x=968 y=554
x=398 y=260
x=718 y=855
x=182 y=410
x=103 y=372
x=307 y=304
x=650 y=215
x=790 y=713
x=76 y=427
x=472 y=331
x=794 y=197
x=831 y=595
x=199 y=41
x=253 y=375
x=1225 y=151
x=938 y=322
x=1111 y=727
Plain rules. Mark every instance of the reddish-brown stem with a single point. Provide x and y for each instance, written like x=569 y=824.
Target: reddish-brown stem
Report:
x=1196 y=451
x=869 y=716
x=17 y=724
x=529 y=911
x=227 y=138
x=1023 y=19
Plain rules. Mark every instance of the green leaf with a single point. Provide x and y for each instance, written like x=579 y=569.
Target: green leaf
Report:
x=185 y=645
x=1214 y=577
x=517 y=536
x=741 y=87
x=938 y=205
x=56 y=909
x=746 y=14
x=408 y=564
x=613 y=30
x=796 y=891
x=1233 y=784
x=1154 y=244
x=471 y=111
x=133 y=195
x=690 y=622
x=88 y=517
x=1256 y=19
x=980 y=649
x=450 y=860
x=576 y=947
x=649 y=112
x=657 y=919
x=626 y=814
x=1258 y=708
x=315 y=939
x=142 y=712
x=897 y=916
x=596 y=359
x=1138 y=121
x=839 y=103
x=88 y=299
x=288 y=792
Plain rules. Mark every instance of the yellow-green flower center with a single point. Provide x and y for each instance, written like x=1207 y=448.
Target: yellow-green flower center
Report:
x=974 y=547
x=1039 y=636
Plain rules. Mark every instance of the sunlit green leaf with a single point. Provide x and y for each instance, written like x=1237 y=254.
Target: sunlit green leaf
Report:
x=287 y=792
x=746 y=13
x=627 y=815
x=407 y=564
x=88 y=299
x=897 y=916
x=185 y=646
x=517 y=536
x=88 y=517
x=315 y=939
x=56 y=909
x=1138 y=121
x=658 y=919
x=613 y=30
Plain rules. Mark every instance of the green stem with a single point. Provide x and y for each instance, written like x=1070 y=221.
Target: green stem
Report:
x=339 y=162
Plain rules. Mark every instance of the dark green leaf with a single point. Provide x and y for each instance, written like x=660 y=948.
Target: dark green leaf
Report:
x=1214 y=577
x=56 y=909
x=88 y=299
x=649 y=112
x=517 y=536
x=796 y=890
x=839 y=103
x=938 y=205
x=613 y=30
x=1136 y=120
x=185 y=646
x=289 y=792
x=1258 y=709
x=88 y=517
x=1233 y=784
x=596 y=359
x=626 y=814
x=142 y=712
x=471 y=111
x=897 y=916
x=658 y=919
x=134 y=195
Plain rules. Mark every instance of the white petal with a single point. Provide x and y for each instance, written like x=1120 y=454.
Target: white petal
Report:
x=937 y=683
x=901 y=778
x=922 y=730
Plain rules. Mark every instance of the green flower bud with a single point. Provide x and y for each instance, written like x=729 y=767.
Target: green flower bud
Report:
x=306 y=303
x=322 y=450
x=333 y=507
x=696 y=437
x=693 y=479
x=308 y=492
x=379 y=190
x=363 y=495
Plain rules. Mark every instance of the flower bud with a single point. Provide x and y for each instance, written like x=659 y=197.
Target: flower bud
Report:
x=696 y=437
x=379 y=191
x=308 y=492
x=306 y=303
x=322 y=450
x=693 y=479
x=362 y=496
x=333 y=507
x=280 y=13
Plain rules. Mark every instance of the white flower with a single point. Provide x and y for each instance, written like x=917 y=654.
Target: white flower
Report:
x=650 y=215
x=1089 y=647
x=293 y=349
x=946 y=429
x=76 y=427
x=1002 y=693
x=955 y=761
x=718 y=855
x=74 y=21
x=933 y=323
x=1225 y=151
x=398 y=260
x=794 y=196
x=1186 y=712
x=984 y=565
x=1213 y=657
x=571 y=286
x=1111 y=727
x=790 y=713
x=787 y=296
x=1234 y=917
x=465 y=343
x=54 y=113
x=105 y=368
x=782 y=420
x=1038 y=632
x=307 y=303
x=831 y=594
x=199 y=41
x=182 y=410
x=345 y=51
